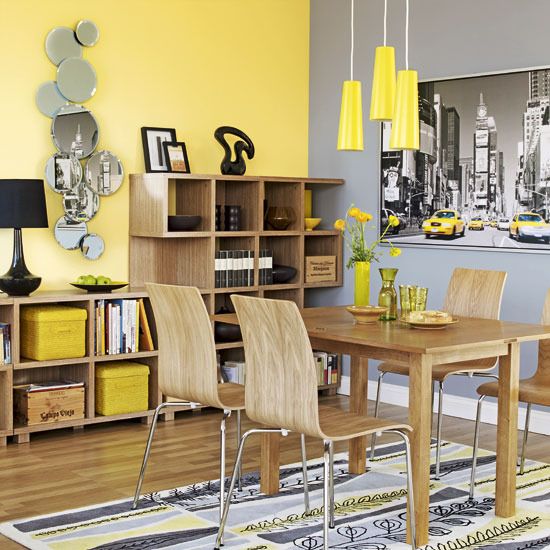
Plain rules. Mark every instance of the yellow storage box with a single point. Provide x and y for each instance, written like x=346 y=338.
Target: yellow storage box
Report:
x=121 y=387
x=53 y=332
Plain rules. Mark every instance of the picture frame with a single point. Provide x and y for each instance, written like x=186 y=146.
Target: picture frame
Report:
x=484 y=155
x=153 y=151
x=175 y=154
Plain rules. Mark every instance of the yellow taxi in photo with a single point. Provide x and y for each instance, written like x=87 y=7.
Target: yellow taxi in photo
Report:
x=493 y=223
x=527 y=226
x=448 y=223
x=476 y=224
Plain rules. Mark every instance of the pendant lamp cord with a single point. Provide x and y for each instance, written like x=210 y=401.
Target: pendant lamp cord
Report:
x=407 y=37
x=385 y=20
x=352 y=38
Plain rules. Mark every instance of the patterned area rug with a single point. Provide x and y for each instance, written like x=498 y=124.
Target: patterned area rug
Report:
x=370 y=512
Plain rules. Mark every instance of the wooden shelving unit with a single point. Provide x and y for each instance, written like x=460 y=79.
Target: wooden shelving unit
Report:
x=24 y=370
x=187 y=257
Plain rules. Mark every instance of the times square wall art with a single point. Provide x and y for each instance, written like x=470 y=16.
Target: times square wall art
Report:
x=481 y=178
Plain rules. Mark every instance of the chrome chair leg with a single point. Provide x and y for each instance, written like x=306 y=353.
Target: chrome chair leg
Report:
x=240 y=481
x=304 y=473
x=233 y=482
x=331 y=484
x=476 y=446
x=410 y=487
x=376 y=409
x=439 y=426
x=148 y=446
x=326 y=493
x=226 y=415
x=432 y=415
x=525 y=435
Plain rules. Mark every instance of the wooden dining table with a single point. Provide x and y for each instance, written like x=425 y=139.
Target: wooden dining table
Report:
x=334 y=329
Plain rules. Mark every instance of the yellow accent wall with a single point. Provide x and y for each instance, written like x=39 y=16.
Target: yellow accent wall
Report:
x=192 y=65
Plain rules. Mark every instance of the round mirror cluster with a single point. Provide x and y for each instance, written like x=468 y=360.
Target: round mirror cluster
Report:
x=76 y=171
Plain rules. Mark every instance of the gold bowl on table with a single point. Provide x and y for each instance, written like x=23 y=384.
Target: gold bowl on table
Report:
x=366 y=314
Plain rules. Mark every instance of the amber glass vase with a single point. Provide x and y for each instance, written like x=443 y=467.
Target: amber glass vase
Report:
x=388 y=296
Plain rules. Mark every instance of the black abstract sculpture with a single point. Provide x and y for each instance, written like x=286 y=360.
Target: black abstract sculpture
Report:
x=235 y=167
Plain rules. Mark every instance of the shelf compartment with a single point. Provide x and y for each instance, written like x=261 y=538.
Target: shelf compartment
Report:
x=286 y=251
x=324 y=245
x=285 y=193
x=172 y=261
x=243 y=193
x=292 y=294
x=192 y=198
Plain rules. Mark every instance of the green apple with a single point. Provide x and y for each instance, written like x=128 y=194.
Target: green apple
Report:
x=81 y=280
x=90 y=280
x=101 y=280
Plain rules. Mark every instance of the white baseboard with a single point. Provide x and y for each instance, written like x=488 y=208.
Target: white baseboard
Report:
x=453 y=405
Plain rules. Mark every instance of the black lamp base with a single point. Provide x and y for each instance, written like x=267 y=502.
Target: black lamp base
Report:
x=18 y=281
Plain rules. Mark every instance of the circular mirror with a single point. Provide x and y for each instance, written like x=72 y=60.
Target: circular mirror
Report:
x=76 y=79
x=69 y=234
x=61 y=43
x=63 y=172
x=92 y=246
x=104 y=173
x=87 y=32
x=80 y=203
x=75 y=130
x=49 y=98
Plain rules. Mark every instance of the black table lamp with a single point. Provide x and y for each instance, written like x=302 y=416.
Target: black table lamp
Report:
x=22 y=204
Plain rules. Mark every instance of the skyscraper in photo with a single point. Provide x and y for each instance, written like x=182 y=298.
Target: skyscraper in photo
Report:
x=481 y=157
x=539 y=83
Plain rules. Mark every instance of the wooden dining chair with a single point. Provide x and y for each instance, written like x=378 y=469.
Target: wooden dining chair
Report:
x=188 y=368
x=281 y=392
x=532 y=391
x=471 y=293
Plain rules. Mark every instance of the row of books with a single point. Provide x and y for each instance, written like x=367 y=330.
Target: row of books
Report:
x=234 y=371
x=121 y=326
x=327 y=367
x=326 y=363
x=5 y=344
x=235 y=268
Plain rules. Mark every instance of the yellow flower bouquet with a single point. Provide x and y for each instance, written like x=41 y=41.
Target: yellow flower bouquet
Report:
x=353 y=229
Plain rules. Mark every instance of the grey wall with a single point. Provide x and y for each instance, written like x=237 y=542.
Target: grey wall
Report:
x=447 y=38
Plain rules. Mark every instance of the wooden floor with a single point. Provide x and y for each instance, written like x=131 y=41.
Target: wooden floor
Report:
x=66 y=469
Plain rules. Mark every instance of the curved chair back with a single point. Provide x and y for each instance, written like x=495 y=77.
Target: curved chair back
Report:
x=187 y=352
x=543 y=367
x=281 y=378
x=475 y=293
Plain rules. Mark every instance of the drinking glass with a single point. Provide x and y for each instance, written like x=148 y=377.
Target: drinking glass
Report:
x=404 y=300
x=418 y=298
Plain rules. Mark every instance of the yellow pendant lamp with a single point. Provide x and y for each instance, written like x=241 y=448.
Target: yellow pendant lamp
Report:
x=405 y=131
x=383 y=82
x=350 y=130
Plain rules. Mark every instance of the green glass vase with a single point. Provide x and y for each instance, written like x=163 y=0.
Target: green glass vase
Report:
x=388 y=296
x=361 y=295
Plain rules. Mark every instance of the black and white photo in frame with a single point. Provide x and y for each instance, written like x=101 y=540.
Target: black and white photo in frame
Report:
x=153 y=147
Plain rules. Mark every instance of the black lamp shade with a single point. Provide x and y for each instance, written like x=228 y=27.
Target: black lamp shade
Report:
x=22 y=204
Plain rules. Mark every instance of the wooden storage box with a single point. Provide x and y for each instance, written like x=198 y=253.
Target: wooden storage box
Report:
x=121 y=387
x=47 y=404
x=320 y=269
x=53 y=332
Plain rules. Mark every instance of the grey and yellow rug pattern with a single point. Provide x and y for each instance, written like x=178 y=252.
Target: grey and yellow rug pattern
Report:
x=370 y=512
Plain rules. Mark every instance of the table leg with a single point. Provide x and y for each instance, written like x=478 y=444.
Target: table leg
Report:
x=507 y=432
x=269 y=463
x=359 y=378
x=420 y=400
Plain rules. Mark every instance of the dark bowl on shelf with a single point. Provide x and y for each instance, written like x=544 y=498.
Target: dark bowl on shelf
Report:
x=183 y=223
x=282 y=273
x=101 y=288
x=226 y=332
x=280 y=217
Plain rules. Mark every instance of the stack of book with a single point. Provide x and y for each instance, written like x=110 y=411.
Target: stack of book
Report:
x=5 y=344
x=121 y=326
x=327 y=367
x=266 y=267
x=234 y=268
x=234 y=371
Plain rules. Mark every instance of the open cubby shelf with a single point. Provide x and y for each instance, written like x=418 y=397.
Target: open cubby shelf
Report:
x=153 y=197
x=80 y=369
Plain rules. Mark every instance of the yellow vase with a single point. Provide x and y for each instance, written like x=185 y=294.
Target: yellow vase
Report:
x=362 y=284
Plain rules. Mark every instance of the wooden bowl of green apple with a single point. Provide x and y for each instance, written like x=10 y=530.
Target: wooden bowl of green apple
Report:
x=98 y=284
